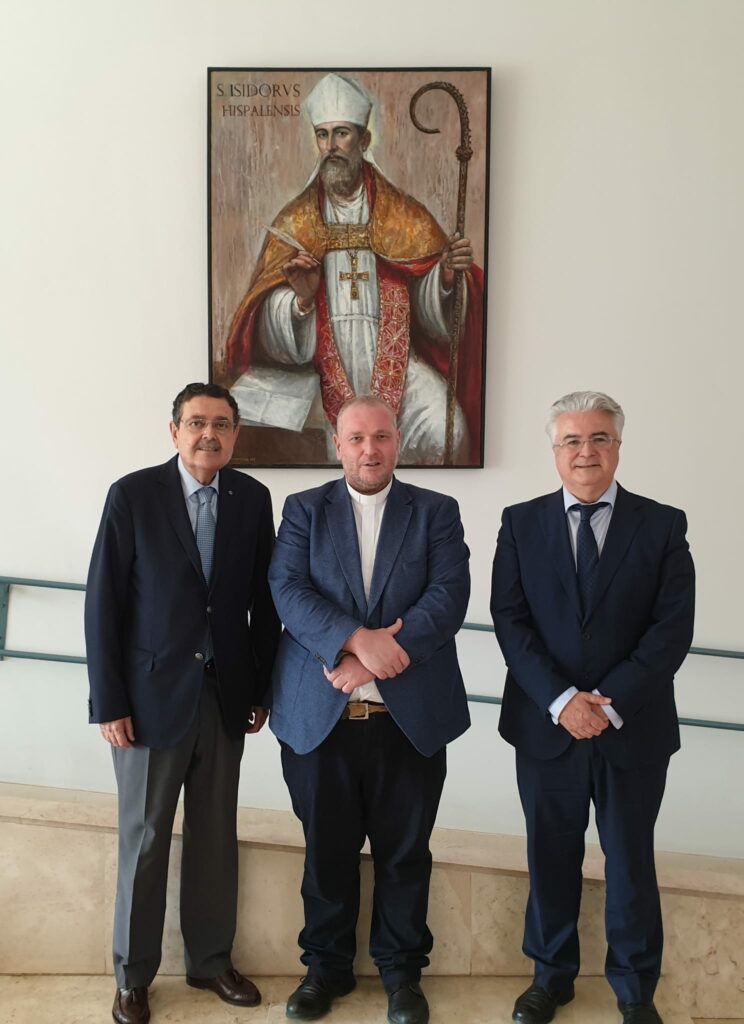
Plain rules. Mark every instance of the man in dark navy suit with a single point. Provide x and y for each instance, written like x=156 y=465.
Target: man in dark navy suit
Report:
x=593 y=603
x=181 y=634
x=370 y=577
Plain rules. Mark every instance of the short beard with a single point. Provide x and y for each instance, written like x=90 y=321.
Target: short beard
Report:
x=342 y=177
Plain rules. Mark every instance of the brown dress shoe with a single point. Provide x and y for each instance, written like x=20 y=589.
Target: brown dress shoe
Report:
x=131 y=1006
x=230 y=986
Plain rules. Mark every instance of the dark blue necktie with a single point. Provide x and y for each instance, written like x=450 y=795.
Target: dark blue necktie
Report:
x=587 y=552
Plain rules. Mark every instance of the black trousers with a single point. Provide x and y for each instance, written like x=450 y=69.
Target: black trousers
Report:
x=556 y=797
x=366 y=779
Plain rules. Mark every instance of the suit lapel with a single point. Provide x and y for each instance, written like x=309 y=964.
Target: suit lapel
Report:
x=626 y=518
x=555 y=528
x=395 y=522
x=175 y=508
x=343 y=533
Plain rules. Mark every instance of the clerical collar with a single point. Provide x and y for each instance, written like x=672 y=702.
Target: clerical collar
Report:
x=369 y=499
x=610 y=496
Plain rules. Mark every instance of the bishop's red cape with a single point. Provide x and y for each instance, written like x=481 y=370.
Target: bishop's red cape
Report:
x=407 y=243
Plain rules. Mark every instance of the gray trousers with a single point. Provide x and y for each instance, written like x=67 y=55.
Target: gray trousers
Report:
x=206 y=762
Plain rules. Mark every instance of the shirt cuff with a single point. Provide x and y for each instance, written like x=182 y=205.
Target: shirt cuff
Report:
x=613 y=716
x=554 y=710
x=298 y=311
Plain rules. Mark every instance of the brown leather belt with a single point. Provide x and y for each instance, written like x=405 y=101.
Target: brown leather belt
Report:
x=359 y=710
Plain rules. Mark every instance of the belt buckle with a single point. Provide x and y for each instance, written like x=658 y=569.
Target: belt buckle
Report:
x=358 y=709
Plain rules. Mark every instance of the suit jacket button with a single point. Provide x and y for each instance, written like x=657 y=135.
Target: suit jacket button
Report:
x=587 y=635
x=209 y=609
x=199 y=656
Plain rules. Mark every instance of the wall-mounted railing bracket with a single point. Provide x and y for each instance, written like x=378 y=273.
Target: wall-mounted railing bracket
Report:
x=4 y=598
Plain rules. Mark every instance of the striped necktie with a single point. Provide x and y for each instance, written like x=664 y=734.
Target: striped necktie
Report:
x=587 y=552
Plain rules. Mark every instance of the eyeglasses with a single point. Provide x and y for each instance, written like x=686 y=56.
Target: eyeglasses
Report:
x=599 y=441
x=197 y=425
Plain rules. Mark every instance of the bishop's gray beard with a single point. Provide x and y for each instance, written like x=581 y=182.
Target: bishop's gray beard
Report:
x=341 y=176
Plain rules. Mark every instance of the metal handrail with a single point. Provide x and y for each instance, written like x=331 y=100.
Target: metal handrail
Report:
x=73 y=659
x=6 y=582
x=710 y=652
x=703 y=723
x=474 y=698
x=50 y=584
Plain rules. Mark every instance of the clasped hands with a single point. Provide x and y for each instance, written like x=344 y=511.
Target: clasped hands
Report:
x=370 y=654
x=583 y=716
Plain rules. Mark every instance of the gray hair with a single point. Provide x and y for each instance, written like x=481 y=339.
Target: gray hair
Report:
x=367 y=401
x=585 y=401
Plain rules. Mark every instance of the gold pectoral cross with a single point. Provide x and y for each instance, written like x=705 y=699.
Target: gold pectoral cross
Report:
x=354 y=276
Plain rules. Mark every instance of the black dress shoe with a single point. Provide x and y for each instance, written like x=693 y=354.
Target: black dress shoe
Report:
x=407 y=1004
x=313 y=997
x=231 y=987
x=131 y=1006
x=538 y=1006
x=639 y=1013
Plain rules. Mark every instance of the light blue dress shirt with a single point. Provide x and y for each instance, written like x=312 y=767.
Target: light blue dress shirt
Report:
x=190 y=486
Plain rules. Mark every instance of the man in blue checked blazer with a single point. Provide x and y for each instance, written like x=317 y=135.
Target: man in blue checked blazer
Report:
x=592 y=602
x=181 y=634
x=370 y=577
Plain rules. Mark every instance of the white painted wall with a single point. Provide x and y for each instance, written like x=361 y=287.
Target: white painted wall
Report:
x=617 y=219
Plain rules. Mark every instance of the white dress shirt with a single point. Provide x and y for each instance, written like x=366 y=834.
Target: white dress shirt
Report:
x=600 y=523
x=368 y=513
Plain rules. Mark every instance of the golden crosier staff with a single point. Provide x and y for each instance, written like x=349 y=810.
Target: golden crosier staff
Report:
x=463 y=154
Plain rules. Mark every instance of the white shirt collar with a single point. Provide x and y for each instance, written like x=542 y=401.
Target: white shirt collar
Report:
x=369 y=499
x=191 y=485
x=610 y=495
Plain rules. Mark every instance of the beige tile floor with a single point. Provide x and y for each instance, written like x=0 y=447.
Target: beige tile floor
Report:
x=64 y=999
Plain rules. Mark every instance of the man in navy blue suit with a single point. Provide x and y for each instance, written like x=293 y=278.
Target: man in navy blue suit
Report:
x=181 y=634
x=592 y=602
x=370 y=577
